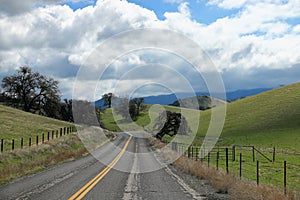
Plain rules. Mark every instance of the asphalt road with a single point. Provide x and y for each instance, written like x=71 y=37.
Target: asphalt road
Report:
x=87 y=178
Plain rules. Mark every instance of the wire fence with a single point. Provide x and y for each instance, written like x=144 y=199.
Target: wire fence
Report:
x=38 y=139
x=268 y=166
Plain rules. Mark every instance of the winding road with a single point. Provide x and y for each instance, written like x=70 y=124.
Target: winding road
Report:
x=125 y=175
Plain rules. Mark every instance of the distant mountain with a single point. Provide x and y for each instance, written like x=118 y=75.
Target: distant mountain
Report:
x=238 y=94
x=202 y=102
x=167 y=99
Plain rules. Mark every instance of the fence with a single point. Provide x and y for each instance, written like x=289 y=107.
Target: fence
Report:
x=261 y=165
x=20 y=143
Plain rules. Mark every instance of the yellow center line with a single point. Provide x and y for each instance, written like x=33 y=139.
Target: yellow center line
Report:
x=91 y=184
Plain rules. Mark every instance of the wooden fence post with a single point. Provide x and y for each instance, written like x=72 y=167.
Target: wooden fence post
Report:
x=189 y=151
x=227 y=165
x=208 y=158
x=284 y=174
x=13 y=144
x=22 y=143
x=48 y=136
x=253 y=154
x=43 y=138
x=60 y=134
x=233 y=153
x=241 y=165
x=37 y=140
x=257 y=172
x=52 y=136
x=2 y=145
x=217 y=160
x=274 y=152
x=29 y=142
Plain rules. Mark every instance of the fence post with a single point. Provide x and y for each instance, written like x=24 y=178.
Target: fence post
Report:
x=2 y=145
x=227 y=169
x=60 y=134
x=189 y=151
x=52 y=136
x=22 y=143
x=48 y=136
x=37 y=140
x=13 y=144
x=29 y=143
x=201 y=155
x=43 y=138
x=284 y=174
x=233 y=153
x=257 y=172
x=217 y=160
x=192 y=152
x=208 y=158
x=253 y=154
x=274 y=151
x=241 y=165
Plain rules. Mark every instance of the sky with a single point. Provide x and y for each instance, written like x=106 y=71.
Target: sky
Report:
x=249 y=43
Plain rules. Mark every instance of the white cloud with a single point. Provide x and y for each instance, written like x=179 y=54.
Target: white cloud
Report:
x=258 y=37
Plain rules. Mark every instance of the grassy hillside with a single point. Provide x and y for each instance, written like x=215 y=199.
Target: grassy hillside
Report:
x=15 y=124
x=268 y=119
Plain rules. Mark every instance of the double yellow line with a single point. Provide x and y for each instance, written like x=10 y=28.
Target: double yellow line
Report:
x=91 y=184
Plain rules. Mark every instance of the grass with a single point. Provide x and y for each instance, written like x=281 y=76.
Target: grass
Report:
x=267 y=120
x=223 y=182
x=16 y=124
x=15 y=164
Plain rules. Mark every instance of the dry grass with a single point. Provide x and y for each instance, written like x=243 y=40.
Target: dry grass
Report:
x=30 y=160
x=223 y=182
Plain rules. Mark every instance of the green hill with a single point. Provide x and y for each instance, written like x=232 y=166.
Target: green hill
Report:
x=16 y=124
x=268 y=119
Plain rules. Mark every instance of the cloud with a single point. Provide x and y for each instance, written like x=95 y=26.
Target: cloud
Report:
x=255 y=44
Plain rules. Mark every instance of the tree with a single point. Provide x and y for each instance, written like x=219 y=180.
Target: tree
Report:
x=122 y=108
x=107 y=99
x=30 y=90
x=66 y=111
x=129 y=108
x=171 y=123
x=138 y=102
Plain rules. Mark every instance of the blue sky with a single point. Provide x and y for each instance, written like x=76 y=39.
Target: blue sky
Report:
x=251 y=43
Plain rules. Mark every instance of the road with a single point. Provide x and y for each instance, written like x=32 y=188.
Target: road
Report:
x=120 y=178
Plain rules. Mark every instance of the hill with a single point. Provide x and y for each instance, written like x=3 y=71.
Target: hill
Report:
x=167 y=99
x=16 y=123
x=201 y=102
x=269 y=119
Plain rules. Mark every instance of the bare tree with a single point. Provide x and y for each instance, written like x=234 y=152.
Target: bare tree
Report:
x=30 y=90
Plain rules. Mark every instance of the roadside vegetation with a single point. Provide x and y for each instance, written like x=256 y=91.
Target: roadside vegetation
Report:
x=267 y=120
x=15 y=164
x=16 y=124
x=223 y=182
